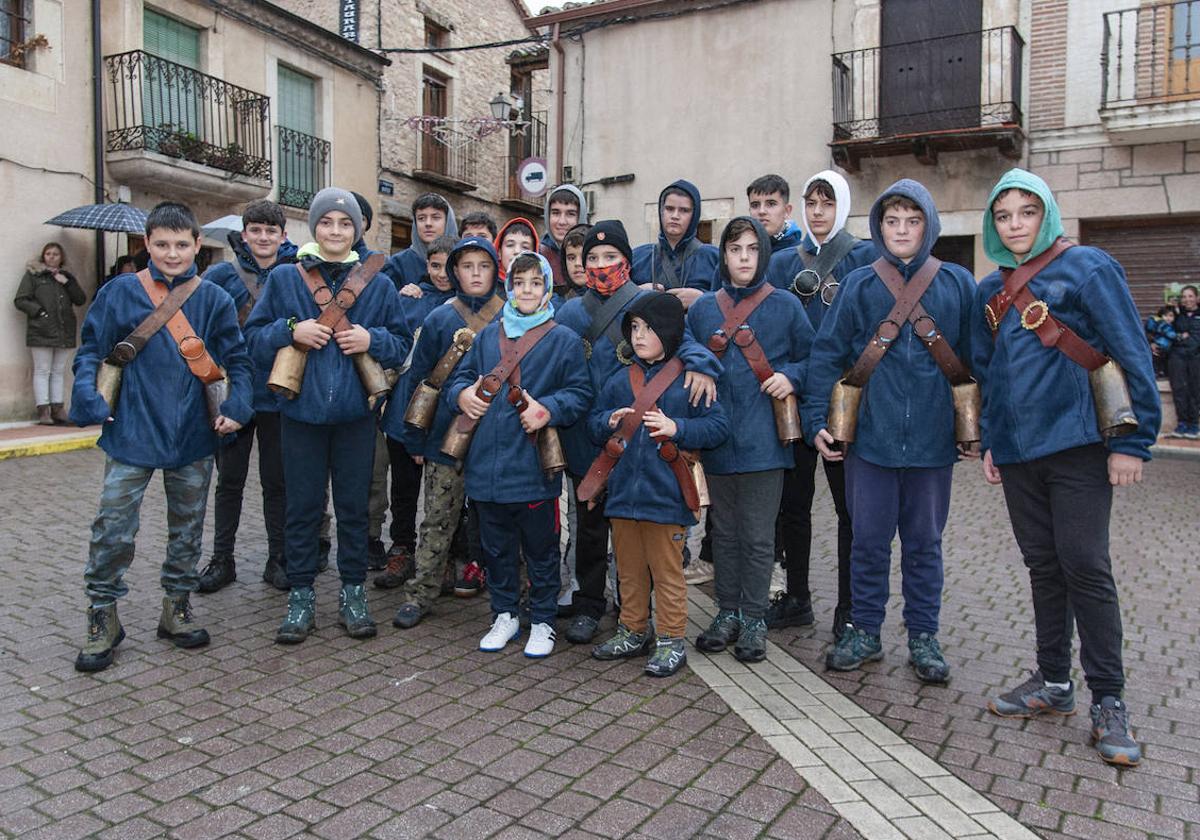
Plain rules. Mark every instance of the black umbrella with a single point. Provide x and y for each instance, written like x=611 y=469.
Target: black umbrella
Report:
x=119 y=218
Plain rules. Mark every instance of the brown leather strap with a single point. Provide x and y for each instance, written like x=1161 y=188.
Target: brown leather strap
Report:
x=925 y=328
x=1035 y=315
x=743 y=334
x=476 y=321
x=165 y=306
x=889 y=328
x=644 y=397
x=251 y=283
x=335 y=306
x=191 y=346
x=511 y=353
x=463 y=337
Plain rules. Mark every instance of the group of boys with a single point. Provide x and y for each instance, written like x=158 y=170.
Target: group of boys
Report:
x=640 y=363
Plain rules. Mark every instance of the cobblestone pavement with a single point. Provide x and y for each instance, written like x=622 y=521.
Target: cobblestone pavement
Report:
x=417 y=734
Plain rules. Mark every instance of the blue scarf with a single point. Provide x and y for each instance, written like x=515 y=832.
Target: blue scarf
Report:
x=516 y=323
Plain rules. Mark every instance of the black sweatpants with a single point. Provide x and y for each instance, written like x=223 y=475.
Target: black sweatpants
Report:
x=795 y=521
x=1060 y=506
x=591 y=557
x=406 y=488
x=1184 y=373
x=233 y=464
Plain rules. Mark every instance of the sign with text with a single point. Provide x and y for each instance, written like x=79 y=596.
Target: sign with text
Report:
x=348 y=20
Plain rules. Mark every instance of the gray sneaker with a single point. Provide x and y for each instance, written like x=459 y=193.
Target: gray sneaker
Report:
x=853 y=648
x=724 y=630
x=669 y=656
x=301 y=618
x=1032 y=698
x=925 y=656
x=1112 y=735
x=353 y=613
x=624 y=644
x=752 y=641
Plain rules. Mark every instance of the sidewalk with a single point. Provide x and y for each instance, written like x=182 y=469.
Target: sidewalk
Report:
x=32 y=439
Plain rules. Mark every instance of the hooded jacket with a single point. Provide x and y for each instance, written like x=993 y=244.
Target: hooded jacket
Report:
x=417 y=309
x=1036 y=401
x=695 y=262
x=791 y=236
x=783 y=332
x=642 y=485
x=225 y=275
x=502 y=464
x=551 y=249
x=160 y=420
x=906 y=416
x=787 y=263
x=408 y=266
x=331 y=391
x=437 y=332
x=49 y=306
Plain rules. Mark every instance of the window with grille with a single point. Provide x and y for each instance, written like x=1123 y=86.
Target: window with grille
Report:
x=14 y=29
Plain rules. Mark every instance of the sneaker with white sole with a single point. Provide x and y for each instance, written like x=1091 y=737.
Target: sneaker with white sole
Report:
x=504 y=629
x=541 y=641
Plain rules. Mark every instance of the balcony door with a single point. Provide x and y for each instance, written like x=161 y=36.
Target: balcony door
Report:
x=171 y=112
x=1183 y=67
x=303 y=157
x=929 y=74
x=434 y=90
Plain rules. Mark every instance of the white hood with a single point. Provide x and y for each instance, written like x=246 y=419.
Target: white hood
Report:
x=841 y=193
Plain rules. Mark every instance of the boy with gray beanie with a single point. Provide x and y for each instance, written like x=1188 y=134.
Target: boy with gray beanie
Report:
x=327 y=427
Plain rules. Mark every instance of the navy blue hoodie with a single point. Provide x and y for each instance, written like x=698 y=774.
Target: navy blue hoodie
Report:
x=783 y=332
x=161 y=417
x=437 y=332
x=906 y=417
x=698 y=270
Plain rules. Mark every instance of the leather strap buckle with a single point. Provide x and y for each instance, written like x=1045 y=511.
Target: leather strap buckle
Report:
x=124 y=352
x=718 y=342
x=1035 y=314
x=517 y=399
x=744 y=336
x=828 y=291
x=191 y=347
x=668 y=451
x=490 y=386
x=345 y=298
x=927 y=335
x=614 y=447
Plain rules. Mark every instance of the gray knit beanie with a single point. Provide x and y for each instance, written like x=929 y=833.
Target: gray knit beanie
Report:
x=332 y=198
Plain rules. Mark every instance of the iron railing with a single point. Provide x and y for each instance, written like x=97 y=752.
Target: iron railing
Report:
x=304 y=167
x=967 y=81
x=14 y=23
x=448 y=155
x=1151 y=54
x=164 y=107
x=531 y=144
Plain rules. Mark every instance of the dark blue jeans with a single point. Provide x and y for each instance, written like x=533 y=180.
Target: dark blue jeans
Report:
x=508 y=531
x=312 y=454
x=882 y=501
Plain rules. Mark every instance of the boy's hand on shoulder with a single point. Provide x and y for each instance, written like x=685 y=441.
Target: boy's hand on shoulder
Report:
x=1124 y=470
x=660 y=426
x=535 y=415
x=354 y=340
x=224 y=426
x=411 y=290
x=777 y=386
x=470 y=403
x=700 y=386
x=614 y=419
x=311 y=335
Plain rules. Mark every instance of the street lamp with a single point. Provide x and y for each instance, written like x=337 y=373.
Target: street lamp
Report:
x=500 y=106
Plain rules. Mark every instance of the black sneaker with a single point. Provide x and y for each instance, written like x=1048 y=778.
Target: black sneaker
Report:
x=751 y=643
x=470 y=582
x=376 y=556
x=853 y=649
x=409 y=615
x=275 y=574
x=1112 y=735
x=788 y=611
x=1032 y=698
x=925 y=656
x=724 y=630
x=219 y=573
x=582 y=629
x=399 y=568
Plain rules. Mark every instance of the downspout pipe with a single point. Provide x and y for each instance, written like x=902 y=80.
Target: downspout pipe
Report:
x=98 y=132
x=560 y=102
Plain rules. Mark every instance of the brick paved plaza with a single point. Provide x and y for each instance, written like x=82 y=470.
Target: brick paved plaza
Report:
x=417 y=734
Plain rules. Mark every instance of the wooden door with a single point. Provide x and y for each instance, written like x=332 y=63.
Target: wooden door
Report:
x=433 y=104
x=929 y=65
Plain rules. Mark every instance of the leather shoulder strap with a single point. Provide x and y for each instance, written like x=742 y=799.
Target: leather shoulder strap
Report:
x=511 y=354
x=334 y=306
x=191 y=346
x=1017 y=279
x=166 y=304
x=736 y=315
x=607 y=312
x=476 y=321
x=908 y=296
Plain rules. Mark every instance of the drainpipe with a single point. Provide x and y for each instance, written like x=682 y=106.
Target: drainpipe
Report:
x=98 y=132
x=560 y=101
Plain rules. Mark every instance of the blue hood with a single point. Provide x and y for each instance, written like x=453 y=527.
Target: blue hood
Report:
x=915 y=192
x=452 y=269
x=691 y=189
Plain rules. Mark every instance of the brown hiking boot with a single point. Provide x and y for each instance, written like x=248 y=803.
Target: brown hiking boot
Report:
x=58 y=414
x=178 y=625
x=399 y=568
x=44 y=418
x=104 y=634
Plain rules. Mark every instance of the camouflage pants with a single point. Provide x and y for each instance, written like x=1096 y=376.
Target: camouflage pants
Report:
x=444 y=490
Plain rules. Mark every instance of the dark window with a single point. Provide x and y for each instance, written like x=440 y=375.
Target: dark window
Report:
x=956 y=249
x=14 y=29
x=436 y=35
x=401 y=234
x=704 y=231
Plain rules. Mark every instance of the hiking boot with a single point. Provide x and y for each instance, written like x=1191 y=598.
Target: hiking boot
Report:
x=752 y=641
x=275 y=573
x=669 y=656
x=789 y=611
x=376 y=555
x=1032 y=698
x=582 y=629
x=505 y=628
x=1112 y=735
x=219 y=573
x=43 y=418
x=541 y=641
x=324 y=546
x=301 y=618
x=178 y=625
x=853 y=649
x=724 y=631
x=925 y=655
x=353 y=613
x=409 y=615
x=624 y=644
x=399 y=568
x=841 y=620
x=698 y=571
x=104 y=633
x=470 y=582
x=59 y=415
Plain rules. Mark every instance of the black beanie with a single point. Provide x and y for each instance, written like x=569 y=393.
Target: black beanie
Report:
x=608 y=232
x=664 y=314
x=365 y=207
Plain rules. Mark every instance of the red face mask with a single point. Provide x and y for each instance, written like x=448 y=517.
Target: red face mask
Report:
x=608 y=279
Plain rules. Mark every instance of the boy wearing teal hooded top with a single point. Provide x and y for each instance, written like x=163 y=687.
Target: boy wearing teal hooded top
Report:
x=1042 y=441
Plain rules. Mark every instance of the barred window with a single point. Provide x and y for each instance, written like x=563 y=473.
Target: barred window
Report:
x=14 y=30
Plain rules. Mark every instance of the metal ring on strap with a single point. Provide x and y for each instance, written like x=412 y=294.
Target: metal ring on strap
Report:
x=828 y=291
x=744 y=336
x=191 y=347
x=124 y=352
x=668 y=451
x=1035 y=314
x=891 y=335
x=926 y=335
x=806 y=283
x=718 y=342
x=615 y=446
x=490 y=386
x=322 y=296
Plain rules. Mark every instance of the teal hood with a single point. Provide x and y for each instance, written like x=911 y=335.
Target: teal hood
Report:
x=1051 y=228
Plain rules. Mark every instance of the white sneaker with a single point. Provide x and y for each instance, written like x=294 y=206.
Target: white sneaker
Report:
x=504 y=629
x=541 y=641
x=698 y=571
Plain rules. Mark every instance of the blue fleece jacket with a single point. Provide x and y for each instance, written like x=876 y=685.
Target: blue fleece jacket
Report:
x=331 y=391
x=698 y=270
x=642 y=485
x=791 y=236
x=409 y=265
x=906 y=417
x=1036 y=401
x=577 y=443
x=437 y=332
x=786 y=264
x=161 y=417
x=417 y=309
x=783 y=332
x=502 y=464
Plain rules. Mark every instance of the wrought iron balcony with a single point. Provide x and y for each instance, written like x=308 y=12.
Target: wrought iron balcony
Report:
x=446 y=156
x=156 y=105
x=304 y=167
x=948 y=93
x=532 y=143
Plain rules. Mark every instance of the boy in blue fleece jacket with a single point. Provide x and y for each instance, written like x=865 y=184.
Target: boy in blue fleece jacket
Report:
x=770 y=198
x=899 y=467
x=746 y=472
x=433 y=217
x=471 y=267
x=328 y=430
x=1041 y=439
x=261 y=245
x=160 y=421
x=679 y=262
x=516 y=501
x=645 y=502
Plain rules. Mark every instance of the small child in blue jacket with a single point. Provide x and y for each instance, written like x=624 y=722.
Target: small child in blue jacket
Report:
x=328 y=430
x=645 y=500
x=516 y=500
x=1160 y=330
